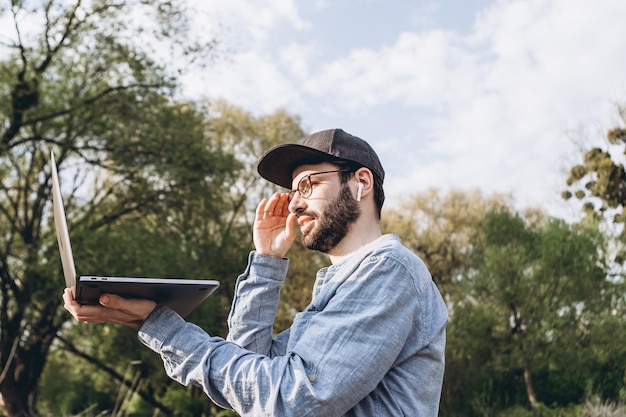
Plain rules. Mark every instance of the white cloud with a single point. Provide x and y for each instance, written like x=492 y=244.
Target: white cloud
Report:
x=249 y=23
x=489 y=108
x=249 y=80
x=414 y=72
x=536 y=69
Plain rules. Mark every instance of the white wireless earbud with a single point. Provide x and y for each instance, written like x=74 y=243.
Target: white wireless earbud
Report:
x=359 y=191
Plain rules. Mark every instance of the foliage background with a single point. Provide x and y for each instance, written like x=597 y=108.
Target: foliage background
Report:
x=156 y=185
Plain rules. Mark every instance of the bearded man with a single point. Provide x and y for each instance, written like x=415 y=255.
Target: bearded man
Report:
x=370 y=343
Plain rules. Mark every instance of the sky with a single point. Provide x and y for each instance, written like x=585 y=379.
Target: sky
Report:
x=502 y=96
x=496 y=95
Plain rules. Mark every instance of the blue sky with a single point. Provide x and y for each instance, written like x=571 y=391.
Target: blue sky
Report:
x=458 y=94
x=466 y=94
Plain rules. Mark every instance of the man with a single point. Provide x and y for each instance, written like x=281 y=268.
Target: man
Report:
x=371 y=343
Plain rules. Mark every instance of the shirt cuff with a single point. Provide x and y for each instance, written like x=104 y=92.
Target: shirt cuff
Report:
x=158 y=327
x=268 y=267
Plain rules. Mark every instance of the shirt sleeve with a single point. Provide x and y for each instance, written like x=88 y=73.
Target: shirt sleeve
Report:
x=342 y=350
x=252 y=315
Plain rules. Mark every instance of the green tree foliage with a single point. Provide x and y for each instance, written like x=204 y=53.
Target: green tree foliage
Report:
x=442 y=229
x=80 y=81
x=526 y=293
x=528 y=312
x=247 y=138
x=202 y=231
x=599 y=182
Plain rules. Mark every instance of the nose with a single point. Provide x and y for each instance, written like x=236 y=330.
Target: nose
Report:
x=297 y=203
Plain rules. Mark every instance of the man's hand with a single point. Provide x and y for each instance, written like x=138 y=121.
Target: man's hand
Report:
x=274 y=226
x=112 y=309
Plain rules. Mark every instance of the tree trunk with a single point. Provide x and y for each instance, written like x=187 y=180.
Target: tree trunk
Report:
x=23 y=367
x=530 y=392
x=15 y=407
x=19 y=388
x=16 y=400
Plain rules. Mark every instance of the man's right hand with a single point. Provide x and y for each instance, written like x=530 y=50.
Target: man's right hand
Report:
x=112 y=309
x=274 y=226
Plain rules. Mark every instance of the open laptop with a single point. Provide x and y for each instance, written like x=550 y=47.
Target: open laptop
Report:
x=181 y=295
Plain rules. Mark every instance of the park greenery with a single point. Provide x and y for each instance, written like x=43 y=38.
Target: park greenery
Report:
x=157 y=185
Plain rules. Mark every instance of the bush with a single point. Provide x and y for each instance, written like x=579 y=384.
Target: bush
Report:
x=595 y=407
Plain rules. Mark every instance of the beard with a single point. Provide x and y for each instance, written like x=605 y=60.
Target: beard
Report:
x=334 y=223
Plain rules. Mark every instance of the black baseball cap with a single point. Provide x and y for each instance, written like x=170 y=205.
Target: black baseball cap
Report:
x=334 y=145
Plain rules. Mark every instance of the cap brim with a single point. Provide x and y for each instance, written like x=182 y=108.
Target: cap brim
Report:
x=278 y=163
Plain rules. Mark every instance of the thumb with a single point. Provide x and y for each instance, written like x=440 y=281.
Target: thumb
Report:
x=290 y=227
x=111 y=300
x=128 y=305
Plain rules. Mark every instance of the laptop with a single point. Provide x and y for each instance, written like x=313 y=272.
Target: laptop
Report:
x=181 y=295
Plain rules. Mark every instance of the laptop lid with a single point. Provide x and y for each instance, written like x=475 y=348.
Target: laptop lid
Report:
x=63 y=236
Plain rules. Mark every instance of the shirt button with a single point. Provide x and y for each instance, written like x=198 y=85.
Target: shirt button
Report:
x=312 y=378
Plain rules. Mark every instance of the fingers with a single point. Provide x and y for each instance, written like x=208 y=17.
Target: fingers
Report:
x=81 y=312
x=260 y=209
x=276 y=206
x=282 y=205
x=274 y=227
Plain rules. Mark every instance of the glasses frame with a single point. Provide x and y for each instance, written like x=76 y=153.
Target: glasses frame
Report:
x=307 y=179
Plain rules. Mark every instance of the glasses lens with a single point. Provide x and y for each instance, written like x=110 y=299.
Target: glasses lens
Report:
x=304 y=186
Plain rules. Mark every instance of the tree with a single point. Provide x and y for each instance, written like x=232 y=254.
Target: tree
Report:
x=445 y=231
x=528 y=295
x=541 y=285
x=202 y=231
x=441 y=229
x=84 y=84
x=247 y=138
x=600 y=183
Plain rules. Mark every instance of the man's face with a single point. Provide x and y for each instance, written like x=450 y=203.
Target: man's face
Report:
x=326 y=215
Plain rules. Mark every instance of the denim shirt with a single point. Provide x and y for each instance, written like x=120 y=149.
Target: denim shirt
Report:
x=371 y=342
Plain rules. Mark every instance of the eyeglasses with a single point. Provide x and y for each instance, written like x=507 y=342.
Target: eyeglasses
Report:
x=305 y=186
